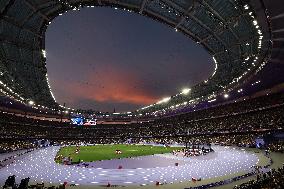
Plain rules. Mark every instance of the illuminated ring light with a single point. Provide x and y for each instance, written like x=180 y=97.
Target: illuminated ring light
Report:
x=227 y=29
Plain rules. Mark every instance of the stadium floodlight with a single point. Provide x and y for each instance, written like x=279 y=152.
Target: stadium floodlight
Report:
x=226 y=96
x=213 y=100
x=240 y=90
x=31 y=102
x=164 y=100
x=185 y=91
x=254 y=22
x=43 y=53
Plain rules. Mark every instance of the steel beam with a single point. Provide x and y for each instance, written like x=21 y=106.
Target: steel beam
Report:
x=191 y=8
x=209 y=30
x=206 y=38
x=36 y=10
x=17 y=24
x=278 y=39
x=17 y=43
x=124 y=4
x=43 y=5
x=6 y=8
x=144 y=2
x=218 y=16
x=277 y=16
x=278 y=31
x=197 y=21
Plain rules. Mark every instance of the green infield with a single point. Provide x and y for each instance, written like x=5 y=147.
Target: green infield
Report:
x=107 y=152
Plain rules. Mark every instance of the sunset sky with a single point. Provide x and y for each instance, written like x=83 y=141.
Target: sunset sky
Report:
x=101 y=59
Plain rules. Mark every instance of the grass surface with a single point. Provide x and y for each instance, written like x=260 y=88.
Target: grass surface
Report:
x=107 y=152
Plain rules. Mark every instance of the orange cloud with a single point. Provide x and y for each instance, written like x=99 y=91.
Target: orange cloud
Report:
x=110 y=84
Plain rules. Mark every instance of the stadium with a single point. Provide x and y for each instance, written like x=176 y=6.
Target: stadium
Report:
x=224 y=132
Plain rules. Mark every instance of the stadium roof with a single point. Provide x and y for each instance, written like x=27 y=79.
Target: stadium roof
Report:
x=236 y=33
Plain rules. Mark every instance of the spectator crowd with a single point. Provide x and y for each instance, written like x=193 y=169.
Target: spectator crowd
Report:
x=238 y=124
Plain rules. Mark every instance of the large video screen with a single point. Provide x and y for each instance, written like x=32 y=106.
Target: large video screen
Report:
x=83 y=121
x=90 y=122
x=77 y=121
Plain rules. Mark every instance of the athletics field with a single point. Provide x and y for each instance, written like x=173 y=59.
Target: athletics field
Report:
x=107 y=152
